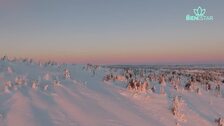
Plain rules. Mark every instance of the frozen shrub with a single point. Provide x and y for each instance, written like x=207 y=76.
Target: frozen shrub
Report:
x=9 y=70
x=208 y=86
x=20 y=80
x=47 y=76
x=56 y=83
x=176 y=83
x=198 y=91
x=218 y=89
x=8 y=84
x=138 y=86
x=6 y=89
x=120 y=78
x=92 y=68
x=144 y=86
x=109 y=77
x=34 y=84
x=4 y=58
x=189 y=86
x=177 y=108
x=162 y=84
x=40 y=64
x=178 y=124
x=45 y=87
x=131 y=85
x=220 y=121
x=128 y=74
x=153 y=89
x=67 y=74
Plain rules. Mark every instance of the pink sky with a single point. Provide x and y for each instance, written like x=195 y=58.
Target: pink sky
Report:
x=111 y=32
x=133 y=59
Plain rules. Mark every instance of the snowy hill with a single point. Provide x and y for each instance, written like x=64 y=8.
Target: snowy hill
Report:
x=35 y=94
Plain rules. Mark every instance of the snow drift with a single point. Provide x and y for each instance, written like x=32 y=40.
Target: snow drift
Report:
x=34 y=94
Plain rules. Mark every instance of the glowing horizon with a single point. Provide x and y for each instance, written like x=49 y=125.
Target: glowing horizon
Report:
x=134 y=59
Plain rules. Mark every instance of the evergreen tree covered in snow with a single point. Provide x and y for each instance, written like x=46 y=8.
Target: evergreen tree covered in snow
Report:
x=177 y=108
x=67 y=74
x=220 y=121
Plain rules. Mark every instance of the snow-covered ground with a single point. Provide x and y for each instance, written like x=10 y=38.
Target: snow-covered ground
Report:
x=34 y=94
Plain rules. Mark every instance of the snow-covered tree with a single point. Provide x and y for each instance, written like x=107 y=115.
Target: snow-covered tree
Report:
x=218 y=89
x=9 y=70
x=144 y=86
x=34 y=84
x=47 y=76
x=20 y=80
x=46 y=87
x=67 y=74
x=4 y=58
x=56 y=83
x=198 y=91
x=220 y=121
x=177 y=108
x=162 y=84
